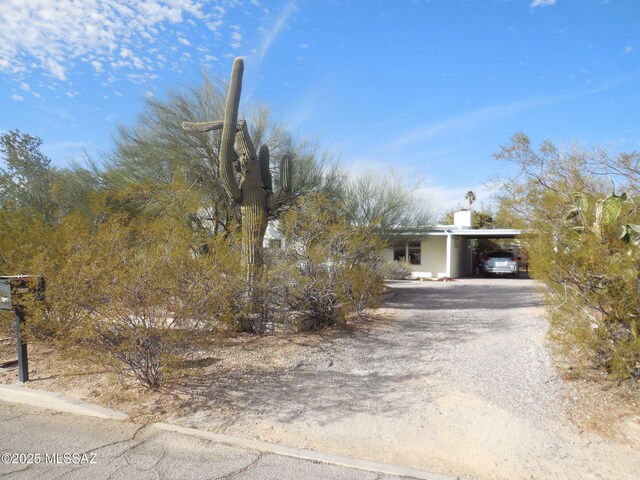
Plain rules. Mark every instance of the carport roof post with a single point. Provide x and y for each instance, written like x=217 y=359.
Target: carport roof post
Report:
x=449 y=253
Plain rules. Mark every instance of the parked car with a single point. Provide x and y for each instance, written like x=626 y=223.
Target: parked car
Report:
x=502 y=261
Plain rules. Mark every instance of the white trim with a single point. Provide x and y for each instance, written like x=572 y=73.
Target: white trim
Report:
x=449 y=249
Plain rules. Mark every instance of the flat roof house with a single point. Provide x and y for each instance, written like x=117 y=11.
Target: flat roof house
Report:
x=443 y=250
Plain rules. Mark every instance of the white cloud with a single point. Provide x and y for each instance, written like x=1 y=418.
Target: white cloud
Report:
x=217 y=15
x=52 y=35
x=628 y=49
x=542 y=3
x=236 y=40
x=215 y=25
x=97 y=66
x=25 y=86
x=17 y=98
x=184 y=41
x=141 y=78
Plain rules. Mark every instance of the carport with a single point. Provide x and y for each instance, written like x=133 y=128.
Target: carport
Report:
x=459 y=252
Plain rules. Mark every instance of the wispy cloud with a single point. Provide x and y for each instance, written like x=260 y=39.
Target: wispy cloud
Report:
x=488 y=115
x=542 y=3
x=270 y=34
x=456 y=124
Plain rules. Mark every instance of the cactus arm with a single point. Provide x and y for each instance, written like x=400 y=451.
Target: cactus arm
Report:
x=227 y=154
x=284 y=192
x=286 y=173
x=245 y=145
x=265 y=172
x=206 y=126
x=202 y=126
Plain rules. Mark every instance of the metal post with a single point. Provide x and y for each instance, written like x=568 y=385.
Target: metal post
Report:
x=23 y=360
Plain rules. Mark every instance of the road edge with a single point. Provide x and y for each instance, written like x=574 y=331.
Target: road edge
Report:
x=54 y=401
x=304 y=454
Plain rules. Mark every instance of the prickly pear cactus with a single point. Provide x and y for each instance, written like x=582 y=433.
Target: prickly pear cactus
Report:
x=254 y=191
x=607 y=214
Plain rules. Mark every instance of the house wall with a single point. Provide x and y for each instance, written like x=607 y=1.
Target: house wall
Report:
x=433 y=254
x=433 y=258
x=460 y=257
x=272 y=233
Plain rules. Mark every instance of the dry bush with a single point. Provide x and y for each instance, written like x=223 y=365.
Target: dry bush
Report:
x=332 y=268
x=137 y=299
x=397 y=270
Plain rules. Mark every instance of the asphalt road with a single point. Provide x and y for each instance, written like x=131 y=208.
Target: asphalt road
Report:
x=37 y=444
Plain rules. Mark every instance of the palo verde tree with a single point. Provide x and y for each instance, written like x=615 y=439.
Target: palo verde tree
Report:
x=584 y=244
x=27 y=175
x=154 y=167
x=384 y=201
x=252 y=189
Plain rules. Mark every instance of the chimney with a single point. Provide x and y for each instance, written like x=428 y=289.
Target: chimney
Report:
x=463 y=219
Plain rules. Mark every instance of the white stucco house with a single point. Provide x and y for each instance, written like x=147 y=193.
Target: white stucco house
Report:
x=443 y=250
x=431 y=252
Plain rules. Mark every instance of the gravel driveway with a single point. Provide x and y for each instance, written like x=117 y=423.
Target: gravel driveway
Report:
x=452 y=377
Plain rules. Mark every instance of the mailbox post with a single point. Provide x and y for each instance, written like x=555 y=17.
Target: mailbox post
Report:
x=9 y=287
x=23 y=357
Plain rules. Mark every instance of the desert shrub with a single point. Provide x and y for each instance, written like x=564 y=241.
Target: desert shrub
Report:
x=139 y=298
x=397 y=270
x=330 y=268
x=584 y=244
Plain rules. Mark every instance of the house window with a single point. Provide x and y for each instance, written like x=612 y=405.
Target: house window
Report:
x=400 y=253
x=275 y=243
x=414 y=253
x=407 y=252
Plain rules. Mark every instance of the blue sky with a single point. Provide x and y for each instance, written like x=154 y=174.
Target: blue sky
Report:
x=431 y=88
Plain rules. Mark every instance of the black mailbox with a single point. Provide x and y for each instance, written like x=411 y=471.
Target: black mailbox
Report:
x=11 y=287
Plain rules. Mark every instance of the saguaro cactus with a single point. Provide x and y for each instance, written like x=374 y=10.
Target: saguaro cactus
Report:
x=253 y=190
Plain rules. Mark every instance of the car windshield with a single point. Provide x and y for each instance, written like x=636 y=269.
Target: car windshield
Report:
x=501 y=255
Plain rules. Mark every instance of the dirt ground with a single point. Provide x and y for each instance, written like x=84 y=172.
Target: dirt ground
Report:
x=451 y=377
